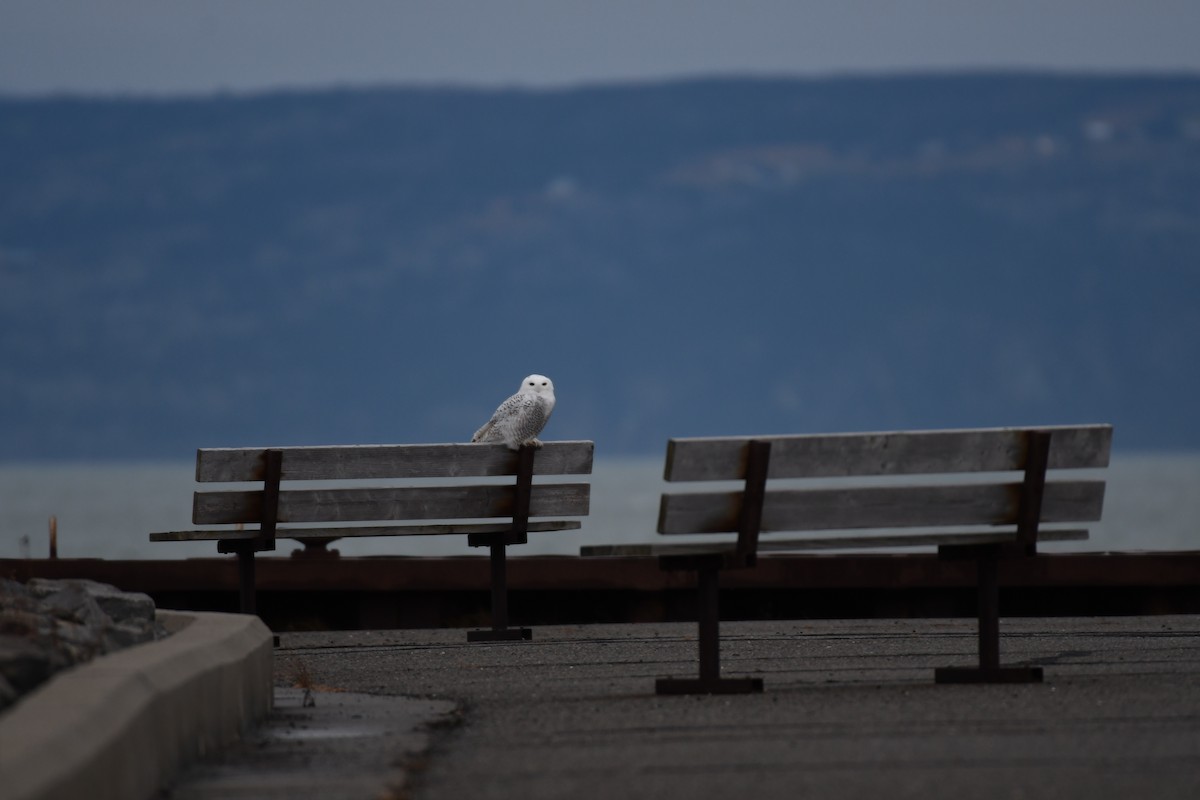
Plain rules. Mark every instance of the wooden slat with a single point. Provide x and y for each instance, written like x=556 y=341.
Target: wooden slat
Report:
x=896 y=453
x=363 y=505
x=880 y=507
x=353 y=462
x=914 y=540
x=881 y=541
x=302 y=534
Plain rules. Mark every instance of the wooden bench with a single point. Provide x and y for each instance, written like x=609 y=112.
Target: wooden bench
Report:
x=1007 y=512
x=317 y=516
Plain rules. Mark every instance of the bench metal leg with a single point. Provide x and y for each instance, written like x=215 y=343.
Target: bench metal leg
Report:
x=710 y=680
x=500 y=631
x=989 y=669
x=246 y=590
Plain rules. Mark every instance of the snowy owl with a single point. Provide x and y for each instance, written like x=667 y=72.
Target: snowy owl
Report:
x=520 y=418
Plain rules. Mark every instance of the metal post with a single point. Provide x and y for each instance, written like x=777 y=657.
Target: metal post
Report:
x=272 y=475
x=988 y=599
x=1029 y=514
x=708 y=618
x=708 y=598
x=989 y=612
x=1033 y=487
x=246 y=591
x=522 y=491
x=708 y=614
x=265 y=540
x=499 y=587
x=758 y=458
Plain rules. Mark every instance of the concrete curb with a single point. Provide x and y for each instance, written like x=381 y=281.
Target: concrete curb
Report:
x=122 y=725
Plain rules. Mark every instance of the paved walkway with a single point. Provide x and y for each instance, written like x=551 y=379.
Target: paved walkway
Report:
x=850 y=710
x=321 y=745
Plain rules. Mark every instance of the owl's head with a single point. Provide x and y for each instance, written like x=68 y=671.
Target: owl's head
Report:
x=537 y=384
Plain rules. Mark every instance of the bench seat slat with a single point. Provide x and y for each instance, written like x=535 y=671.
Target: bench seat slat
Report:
x=379 y=504
x=879 y=507
x=303 y=534
x=834 y=543
x=895 y=453
x=368 y=462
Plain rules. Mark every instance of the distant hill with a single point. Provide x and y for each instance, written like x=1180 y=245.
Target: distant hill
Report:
x=684 y=258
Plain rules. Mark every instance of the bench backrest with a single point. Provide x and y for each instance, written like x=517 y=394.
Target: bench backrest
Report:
x=275 y=502
x=867 y=504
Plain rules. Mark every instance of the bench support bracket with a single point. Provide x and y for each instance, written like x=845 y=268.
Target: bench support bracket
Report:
x=246 y=548
x=707 y=568
x=498 y=543
x=710 y=680
x=988 y=558
x=247 y=602
x=989 y=669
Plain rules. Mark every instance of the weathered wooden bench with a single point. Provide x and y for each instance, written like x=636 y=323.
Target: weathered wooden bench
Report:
x=1005 y=513
x=305 y=515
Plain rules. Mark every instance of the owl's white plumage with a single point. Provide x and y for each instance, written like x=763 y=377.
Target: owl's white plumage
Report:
x=520 y=418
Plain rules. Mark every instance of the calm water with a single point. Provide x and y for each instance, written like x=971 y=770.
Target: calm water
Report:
x=108 y=510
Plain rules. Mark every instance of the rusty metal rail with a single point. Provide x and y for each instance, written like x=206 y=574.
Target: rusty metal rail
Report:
x=386 y=592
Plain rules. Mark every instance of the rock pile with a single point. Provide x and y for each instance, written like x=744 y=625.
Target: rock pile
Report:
x=49 y=625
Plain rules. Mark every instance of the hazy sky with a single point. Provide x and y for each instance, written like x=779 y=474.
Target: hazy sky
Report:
x=165 y=46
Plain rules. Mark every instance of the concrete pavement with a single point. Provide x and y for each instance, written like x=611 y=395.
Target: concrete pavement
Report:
x=850 y=710
x=122 y=725
x=325 y=745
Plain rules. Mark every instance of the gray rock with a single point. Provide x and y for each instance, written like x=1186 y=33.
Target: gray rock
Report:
x=20 y=622
x=49 y=625
x=76 y=642
x=75 y=604
x=122 y=606
x=43 y=587
x=119 y=605
x=13 y=592
x=24 y=665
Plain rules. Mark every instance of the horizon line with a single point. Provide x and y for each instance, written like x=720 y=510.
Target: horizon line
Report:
x=599 y=84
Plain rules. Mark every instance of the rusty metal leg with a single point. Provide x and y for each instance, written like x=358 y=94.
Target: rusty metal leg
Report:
x=500 y=631
x=989 y=669
x=246 y=590
x=708 y=616
x=989 y=614
x=499 y=587
x=707 y=597
x=522 y=490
